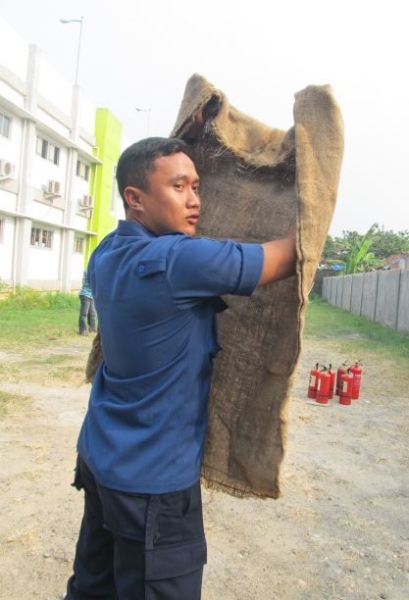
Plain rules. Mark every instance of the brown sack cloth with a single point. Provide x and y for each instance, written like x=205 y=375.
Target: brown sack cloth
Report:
x=257 y=182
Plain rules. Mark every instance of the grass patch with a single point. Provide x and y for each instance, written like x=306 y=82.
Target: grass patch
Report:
x=67 y=371
x=39 y=336
x=46 y=337
x=355 y=335
x=27 y=298
x=36 y=326
x=9 y=401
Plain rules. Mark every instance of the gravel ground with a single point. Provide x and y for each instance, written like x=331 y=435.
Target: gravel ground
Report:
x=339 y=531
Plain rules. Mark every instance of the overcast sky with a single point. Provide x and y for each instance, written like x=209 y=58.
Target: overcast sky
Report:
x=259 y=53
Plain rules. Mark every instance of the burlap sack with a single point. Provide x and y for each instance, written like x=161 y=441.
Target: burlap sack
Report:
x=94 y=359
x=256 y=182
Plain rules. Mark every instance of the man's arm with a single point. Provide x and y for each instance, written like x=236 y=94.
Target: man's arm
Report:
x=280 y=258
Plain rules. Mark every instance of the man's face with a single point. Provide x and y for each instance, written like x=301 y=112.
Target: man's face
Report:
x=171 y=202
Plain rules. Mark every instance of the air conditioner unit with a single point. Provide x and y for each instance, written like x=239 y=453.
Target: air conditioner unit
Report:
x=53 y=188
x=87 y=202
x=6 y=169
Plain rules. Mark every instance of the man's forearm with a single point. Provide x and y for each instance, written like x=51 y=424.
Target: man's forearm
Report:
x=280 y=257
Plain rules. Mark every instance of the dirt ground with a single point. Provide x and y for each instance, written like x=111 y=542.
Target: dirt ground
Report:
x=340 y=531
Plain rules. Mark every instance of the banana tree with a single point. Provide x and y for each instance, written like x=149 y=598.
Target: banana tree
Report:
x=359 y=256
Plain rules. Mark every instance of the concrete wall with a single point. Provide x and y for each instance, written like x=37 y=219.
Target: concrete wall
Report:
x=346 y=292
x=356 y=294
x=381 y=296
x=403 y=304
x=387 y=298
x=369 y=293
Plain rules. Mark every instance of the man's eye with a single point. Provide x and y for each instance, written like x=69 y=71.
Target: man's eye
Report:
x=196 y=189
x=178 y=186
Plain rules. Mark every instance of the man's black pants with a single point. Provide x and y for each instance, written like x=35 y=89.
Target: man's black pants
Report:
x=137 y=546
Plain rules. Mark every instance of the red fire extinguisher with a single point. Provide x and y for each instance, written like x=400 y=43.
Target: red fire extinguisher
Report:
x=356 y=371
x=323 y=387
x=341 y=371
x=345 y=392
x=332 y=382
x=313 y=382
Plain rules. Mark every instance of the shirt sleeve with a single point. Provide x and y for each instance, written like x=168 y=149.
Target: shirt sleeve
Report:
x=202 y=268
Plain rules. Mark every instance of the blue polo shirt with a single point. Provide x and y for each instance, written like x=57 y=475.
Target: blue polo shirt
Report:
x=156 y=299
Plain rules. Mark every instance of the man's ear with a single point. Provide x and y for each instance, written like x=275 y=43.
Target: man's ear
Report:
x=132 y=197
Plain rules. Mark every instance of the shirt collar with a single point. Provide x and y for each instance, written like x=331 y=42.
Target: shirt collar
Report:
x=133 y=229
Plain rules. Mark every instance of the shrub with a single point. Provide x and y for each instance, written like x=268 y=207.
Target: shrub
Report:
x=28 y=298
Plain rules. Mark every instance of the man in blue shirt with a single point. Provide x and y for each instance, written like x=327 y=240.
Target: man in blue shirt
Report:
x=157 y=290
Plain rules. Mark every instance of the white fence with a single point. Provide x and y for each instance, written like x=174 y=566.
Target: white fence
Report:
x=381 y=296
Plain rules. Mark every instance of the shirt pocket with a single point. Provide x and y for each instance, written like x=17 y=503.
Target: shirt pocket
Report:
x=147 y=268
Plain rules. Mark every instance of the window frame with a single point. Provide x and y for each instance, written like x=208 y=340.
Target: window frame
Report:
x=48 y=150
x=5 y=120
x=42 y=238
x=83 y=170
x=79 y=240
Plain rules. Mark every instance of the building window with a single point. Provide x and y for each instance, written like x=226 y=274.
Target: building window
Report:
x=41 y=238
x=79 y=245
x=4 y=125
x=2 y=226
x=83 y=170
x=48 y=150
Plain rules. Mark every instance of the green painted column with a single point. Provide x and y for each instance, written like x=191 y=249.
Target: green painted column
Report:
x=108 y=134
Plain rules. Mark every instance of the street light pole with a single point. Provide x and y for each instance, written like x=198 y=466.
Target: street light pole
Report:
x=80 y=21
x=148 y=111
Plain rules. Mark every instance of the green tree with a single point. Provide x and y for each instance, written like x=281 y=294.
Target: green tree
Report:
x=386 y=243
x=359 y=257
x=357 y=252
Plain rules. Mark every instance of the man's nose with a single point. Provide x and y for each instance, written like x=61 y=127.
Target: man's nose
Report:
x=193 y=198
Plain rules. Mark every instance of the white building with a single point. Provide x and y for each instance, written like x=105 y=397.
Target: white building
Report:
x=53 y=207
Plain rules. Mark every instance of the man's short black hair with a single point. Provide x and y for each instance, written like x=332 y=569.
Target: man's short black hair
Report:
x=138 y=161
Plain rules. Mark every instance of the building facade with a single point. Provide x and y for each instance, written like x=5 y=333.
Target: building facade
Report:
x=58 y=154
